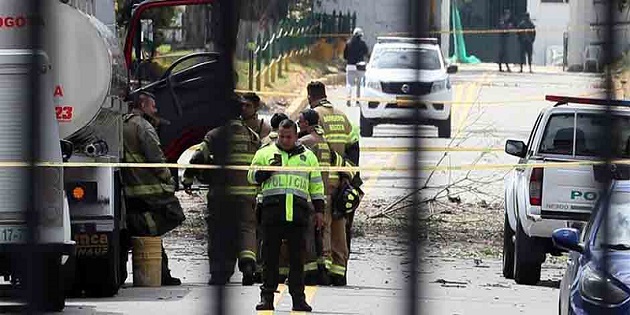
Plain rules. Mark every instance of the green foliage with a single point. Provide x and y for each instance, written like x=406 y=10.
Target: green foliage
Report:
x=162 y=17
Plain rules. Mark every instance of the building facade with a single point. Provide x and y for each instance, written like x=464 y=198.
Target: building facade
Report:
x=588 y=29
x=389 y=17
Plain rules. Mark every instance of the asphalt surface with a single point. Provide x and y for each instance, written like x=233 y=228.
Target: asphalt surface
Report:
x=499 y=106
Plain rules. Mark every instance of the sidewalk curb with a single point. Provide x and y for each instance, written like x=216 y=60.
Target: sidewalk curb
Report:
x=301 y=102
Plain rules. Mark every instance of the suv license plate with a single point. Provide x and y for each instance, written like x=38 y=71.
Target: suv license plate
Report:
x=13 y=234
x=407 y=101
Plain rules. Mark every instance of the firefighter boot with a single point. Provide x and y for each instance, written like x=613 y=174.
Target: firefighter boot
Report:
x=300 y=305
x=248 y=269
x=167 y=279
x=265 y=304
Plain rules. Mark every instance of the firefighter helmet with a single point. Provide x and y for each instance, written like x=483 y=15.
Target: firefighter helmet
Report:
x=347 y=201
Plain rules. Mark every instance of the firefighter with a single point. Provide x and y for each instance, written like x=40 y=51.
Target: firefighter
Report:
x=251 y=105
x=152 y=209
x=312 y=136
x=343 y=139
x=243 y=143
x=275 y=124
x=286 y=211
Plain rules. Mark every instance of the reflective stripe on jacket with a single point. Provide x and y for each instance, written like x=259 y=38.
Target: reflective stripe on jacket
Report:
x=244 y=143
x=338 y=130
x=142 y=145
x=290 y=184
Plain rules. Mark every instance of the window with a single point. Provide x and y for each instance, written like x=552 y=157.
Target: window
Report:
x=408 y=58
x=618 y=222
x=561 y=137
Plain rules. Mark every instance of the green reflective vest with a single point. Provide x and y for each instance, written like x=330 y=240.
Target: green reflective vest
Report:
x=306 y=184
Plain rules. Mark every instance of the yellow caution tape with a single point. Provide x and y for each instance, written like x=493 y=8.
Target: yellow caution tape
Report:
x=429 y=149
x=463 y=167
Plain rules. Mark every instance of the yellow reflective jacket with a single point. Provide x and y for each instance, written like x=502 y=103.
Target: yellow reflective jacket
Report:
x=290 y=190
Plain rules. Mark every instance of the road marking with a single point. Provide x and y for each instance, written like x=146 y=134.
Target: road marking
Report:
x=471 y=97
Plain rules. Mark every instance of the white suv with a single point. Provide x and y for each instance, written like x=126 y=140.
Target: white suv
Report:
x=401 y=69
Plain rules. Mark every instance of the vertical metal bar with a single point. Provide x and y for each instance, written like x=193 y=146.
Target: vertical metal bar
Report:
x=416 y=14
x=224 y=232
x=609 y=49
x=33 y=265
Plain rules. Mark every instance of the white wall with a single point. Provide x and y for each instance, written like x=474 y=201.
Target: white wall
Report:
x=551 y=20
x=583 y=13
x=375 y=17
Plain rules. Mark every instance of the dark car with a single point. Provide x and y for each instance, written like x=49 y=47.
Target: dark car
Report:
x=597 y=278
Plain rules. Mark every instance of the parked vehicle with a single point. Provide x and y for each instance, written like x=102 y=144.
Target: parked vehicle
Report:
x=540 y=199
x=87 y=78
x=596 y=279
x=400 y=71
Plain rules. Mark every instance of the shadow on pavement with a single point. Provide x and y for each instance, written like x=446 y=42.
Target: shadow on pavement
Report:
x=554 y=284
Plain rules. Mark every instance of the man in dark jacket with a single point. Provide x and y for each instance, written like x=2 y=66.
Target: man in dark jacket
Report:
x=151 y=205
x=505 y=23
x=355 y=51
x=526 y=40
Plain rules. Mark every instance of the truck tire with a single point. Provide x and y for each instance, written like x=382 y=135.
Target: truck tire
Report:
x=50 y=291
x=366 y=126
x=444 y=128
x=508 y=249
x=527 y=262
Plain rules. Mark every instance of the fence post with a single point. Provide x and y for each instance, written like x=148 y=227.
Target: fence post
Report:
x=272 y=56
x=280 y=48
x=251 y=46
x=267 y=57
x=258 y=61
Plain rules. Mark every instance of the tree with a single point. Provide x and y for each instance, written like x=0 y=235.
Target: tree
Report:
x=162 y=17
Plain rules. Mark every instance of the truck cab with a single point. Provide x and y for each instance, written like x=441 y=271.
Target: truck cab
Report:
x=558 y=183
x=86 y=79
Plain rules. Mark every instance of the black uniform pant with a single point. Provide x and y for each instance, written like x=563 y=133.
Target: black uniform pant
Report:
x=272 y=239
x=526 y=51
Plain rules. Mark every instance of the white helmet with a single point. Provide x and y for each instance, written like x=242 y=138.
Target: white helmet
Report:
x=357 y=32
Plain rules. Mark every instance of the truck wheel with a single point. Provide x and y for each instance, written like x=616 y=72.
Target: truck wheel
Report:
x=50 y=293
x=444 y=128
x=508 y=249
x=366 y=126
x=527 y=262
x=110 y=276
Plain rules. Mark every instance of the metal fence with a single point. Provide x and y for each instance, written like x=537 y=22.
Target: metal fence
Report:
x=271 y=52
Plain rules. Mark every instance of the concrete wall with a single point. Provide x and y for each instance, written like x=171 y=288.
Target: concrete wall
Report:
x=375 y=17
x=382 y=17
x=551 y=20
x=585 y=13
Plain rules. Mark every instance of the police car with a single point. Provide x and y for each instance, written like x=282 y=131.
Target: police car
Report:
x=401 y=70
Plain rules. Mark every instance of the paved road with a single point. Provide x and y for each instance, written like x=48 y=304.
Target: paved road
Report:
x=490 y=107
x=378 y=273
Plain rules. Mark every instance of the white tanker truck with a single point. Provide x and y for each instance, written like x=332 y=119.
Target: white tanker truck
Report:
x=85 y=81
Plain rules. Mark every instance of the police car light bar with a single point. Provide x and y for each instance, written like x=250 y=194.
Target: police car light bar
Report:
x=561 y=100
x=408 y=40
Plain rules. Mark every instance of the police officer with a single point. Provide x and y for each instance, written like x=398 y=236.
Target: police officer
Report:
x=251 y=105
x=286 y=210
x=343 y=139
x=151 y=205
x=243 y=143
x=276 y=119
